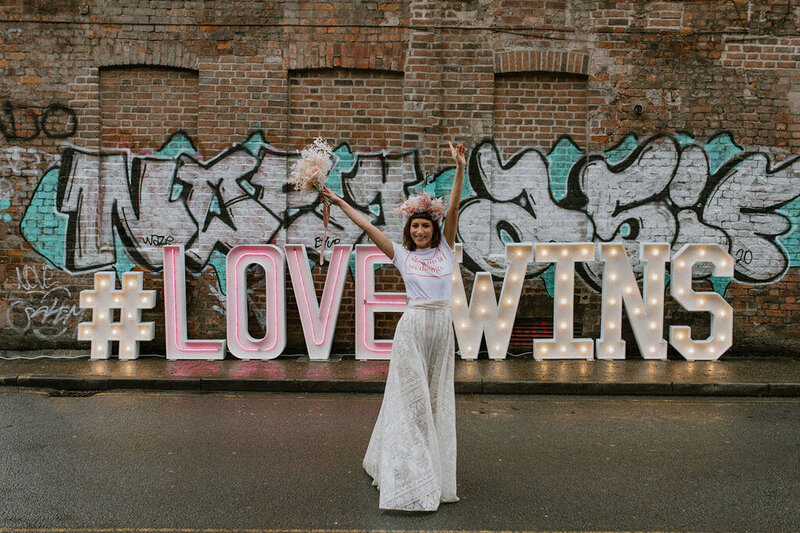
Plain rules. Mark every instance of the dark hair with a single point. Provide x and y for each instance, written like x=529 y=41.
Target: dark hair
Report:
x=408 y=242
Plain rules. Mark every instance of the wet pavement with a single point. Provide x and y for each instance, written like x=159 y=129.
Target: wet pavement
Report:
x=778 y=376
x=184 y=461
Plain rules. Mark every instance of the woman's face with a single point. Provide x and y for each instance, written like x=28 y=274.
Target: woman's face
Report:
x=421 y=231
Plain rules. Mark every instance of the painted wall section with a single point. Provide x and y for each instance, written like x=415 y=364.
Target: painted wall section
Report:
x=119 y=209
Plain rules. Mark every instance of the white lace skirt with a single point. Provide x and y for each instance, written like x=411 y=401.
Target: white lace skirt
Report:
x=412 y=453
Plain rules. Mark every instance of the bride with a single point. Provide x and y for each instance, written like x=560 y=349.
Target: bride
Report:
x=412 y=452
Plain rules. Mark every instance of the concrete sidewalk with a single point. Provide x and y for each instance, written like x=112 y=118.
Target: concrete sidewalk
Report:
x=778 y=376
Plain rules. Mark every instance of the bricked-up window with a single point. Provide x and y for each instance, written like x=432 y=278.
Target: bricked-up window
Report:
x=142 y=106
x=536 y=108
x=361 y=107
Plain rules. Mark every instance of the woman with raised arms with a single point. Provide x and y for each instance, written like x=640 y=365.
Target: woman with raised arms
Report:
x=412 y=452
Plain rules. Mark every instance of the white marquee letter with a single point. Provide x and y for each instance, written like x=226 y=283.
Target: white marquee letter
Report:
x=482 y=316
x=721 y=337
x=562 y=345
x=646 y=315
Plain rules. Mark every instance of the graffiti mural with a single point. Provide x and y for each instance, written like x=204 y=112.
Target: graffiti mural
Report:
x=118 y=209
x=664 y=189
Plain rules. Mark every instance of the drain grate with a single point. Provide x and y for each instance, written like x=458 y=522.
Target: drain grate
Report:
x=72 y=393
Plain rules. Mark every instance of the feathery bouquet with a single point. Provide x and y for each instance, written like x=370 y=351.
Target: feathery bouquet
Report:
x=309 y=173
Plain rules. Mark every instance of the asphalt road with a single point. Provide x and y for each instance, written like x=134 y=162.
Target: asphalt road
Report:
x=160 y=462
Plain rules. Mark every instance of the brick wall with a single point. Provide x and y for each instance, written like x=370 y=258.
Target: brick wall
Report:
x=142 y=104
x=537 y=109
x=707 y=89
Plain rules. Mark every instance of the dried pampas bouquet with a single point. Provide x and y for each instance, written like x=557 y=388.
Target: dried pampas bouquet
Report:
x=309 y=173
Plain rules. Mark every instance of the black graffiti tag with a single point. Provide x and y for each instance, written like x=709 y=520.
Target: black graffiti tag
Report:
x=24 y=123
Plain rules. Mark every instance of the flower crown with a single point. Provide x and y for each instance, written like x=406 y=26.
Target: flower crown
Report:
x=422 y=203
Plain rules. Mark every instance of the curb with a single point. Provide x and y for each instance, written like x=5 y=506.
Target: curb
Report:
x=68 y=383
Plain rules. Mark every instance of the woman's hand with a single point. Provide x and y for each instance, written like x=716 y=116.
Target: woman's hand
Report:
x=458 y=155
x=331 y=196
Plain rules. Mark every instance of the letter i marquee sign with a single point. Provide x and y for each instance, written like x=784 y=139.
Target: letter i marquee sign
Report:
x=483 y=316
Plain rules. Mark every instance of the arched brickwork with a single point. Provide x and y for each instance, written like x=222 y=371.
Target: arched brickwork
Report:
x=541 y=60
x=163 y=54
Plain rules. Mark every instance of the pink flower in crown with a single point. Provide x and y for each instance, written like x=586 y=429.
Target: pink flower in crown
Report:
x=422 y=203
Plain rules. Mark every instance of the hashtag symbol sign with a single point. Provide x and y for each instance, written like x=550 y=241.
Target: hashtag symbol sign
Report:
x=104 y=300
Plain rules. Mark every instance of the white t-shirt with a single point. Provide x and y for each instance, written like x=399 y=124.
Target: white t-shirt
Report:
x=427 y=272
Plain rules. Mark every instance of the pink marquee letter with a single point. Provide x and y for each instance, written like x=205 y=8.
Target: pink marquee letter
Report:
x=178 y=346
x=368 y=303
x=319 y=321
x=240 y=343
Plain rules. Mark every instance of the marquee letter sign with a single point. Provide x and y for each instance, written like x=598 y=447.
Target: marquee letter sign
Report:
x=562 y=345
x=240 y=343
x=318 y=319
x=368 y=302
x=483 y=316
x=645 y=312
x=721 y=337
x=178 y=346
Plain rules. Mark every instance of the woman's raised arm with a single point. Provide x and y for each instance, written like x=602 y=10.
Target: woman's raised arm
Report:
x=451 y=217
x=377 y=236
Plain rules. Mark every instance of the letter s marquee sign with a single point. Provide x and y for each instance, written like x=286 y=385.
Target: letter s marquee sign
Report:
x=482 y=316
